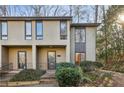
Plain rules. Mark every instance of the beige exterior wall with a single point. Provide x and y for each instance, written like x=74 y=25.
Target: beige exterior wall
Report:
x=51 y=37
x=42 y=56
x=5 y=59
x=91 y=43
x=13 y=56
x=51 y=34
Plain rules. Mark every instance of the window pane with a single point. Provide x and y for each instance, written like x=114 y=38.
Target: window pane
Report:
x=80 y=35
x=4 y=37
x=77 y=35
x=28 y=28
x=4 y=28
x=28 y=37
x=63 y=28
x=39 y=28
x=39 y=37
x=77 y=58
x=82 y=56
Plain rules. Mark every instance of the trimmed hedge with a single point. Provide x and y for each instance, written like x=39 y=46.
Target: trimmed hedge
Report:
x=28 y=75
x=64 y=64
x=68 y=76
x=90 y=66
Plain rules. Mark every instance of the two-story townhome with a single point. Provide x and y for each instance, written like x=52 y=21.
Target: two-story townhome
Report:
x=41 y=42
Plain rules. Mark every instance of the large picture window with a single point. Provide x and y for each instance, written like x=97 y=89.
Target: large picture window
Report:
x=4 y=32
x=63 y=30
x=39 y=30
x=28 y=32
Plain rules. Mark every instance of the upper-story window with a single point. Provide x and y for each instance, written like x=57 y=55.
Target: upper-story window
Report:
x=28 y=32
x=80 y=35
x=39 y=30
x=63 y=30
x=4 y=32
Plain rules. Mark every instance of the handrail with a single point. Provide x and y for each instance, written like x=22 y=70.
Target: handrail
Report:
x=5 y=66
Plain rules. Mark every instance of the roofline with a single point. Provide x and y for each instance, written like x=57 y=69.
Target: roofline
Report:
x=85 y=24
x=22 y=18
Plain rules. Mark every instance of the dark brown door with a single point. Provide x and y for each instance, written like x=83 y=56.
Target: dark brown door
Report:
x=51 y=60
x=22 y=60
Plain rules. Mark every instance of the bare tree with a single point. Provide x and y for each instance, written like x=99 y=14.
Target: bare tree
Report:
x=37 y=10
x=96 y=13
x=3 y=10
x=79 y=13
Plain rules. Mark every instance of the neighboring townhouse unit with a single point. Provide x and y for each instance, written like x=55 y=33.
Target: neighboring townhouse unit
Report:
x=41 y=42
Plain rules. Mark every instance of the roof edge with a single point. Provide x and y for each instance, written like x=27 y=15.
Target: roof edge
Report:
x=35 y=18
x=85 y=24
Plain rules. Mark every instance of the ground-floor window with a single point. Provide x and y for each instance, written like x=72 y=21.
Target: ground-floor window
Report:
x=79 y=57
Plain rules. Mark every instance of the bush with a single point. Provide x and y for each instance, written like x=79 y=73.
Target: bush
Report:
x=67 y=76
x=90 y=66
x=115 y=66
x=64 y=64
x=28 y=75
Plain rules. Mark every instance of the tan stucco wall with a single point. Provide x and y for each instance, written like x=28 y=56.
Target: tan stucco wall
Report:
x=42 y=56
x=5 y=56
x=51 y=34
x=91 y=43
x=13 y=56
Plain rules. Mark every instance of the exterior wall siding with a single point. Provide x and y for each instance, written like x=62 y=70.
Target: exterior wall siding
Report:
x=36 y=50
x=91 y=43
x=51 y=34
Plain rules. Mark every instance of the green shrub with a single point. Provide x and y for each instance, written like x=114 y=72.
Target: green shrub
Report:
x=90 y=66
x=67 y=76
x=64 y=64
x=28 y=75
x=115 y=66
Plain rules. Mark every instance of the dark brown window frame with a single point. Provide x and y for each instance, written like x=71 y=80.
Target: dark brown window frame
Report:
x=2 y=31
x=26 y=31
x=61 y=36
x=36 y=30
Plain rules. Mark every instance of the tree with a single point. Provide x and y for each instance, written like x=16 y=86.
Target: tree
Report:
x=3 y=10
x=110 y=41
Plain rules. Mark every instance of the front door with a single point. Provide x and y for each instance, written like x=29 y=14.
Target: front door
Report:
x=51 y=60
x=22 y=60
